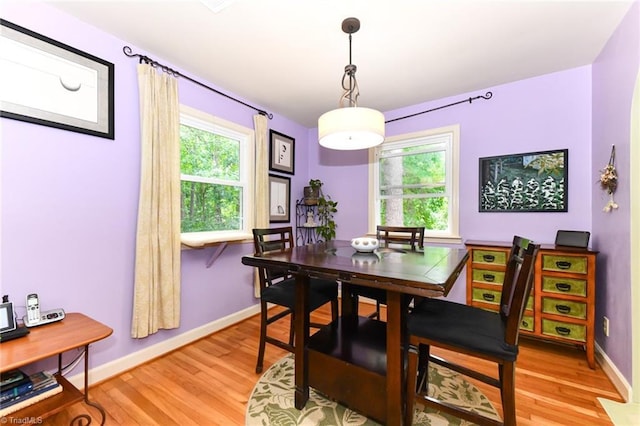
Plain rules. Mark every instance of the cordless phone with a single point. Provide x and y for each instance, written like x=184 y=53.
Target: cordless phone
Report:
x=34 y=317
x=33 y=308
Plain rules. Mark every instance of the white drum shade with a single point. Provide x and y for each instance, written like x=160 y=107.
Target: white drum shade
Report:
x=351 y=128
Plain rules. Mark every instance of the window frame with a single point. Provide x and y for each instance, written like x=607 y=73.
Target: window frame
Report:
x=452 y=184
x=197 y=118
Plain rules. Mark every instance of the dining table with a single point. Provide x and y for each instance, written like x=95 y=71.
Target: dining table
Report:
x=357 y=360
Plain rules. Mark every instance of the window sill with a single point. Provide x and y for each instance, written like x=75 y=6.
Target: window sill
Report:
x=200 y=240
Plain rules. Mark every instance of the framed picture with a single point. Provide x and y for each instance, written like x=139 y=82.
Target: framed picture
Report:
x=281 y=152
x=531 y=182
x=279 y=199
x=43 y=81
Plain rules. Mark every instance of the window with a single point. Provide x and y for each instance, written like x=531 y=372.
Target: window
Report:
x=216 y=179
x=415 y=182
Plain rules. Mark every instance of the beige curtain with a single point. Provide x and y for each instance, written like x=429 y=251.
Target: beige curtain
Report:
x=156 y=303
x=261 y=186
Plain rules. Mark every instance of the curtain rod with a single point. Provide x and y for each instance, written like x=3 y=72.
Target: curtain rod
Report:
x=488 y=95
x=127 y=51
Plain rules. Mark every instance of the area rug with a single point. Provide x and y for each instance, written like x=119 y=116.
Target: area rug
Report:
x=272 y=401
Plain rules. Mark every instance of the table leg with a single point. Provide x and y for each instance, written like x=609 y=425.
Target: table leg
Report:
x=301 y=326
x=395 y=367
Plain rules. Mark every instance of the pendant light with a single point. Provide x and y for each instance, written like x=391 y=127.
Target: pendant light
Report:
x=350 y=127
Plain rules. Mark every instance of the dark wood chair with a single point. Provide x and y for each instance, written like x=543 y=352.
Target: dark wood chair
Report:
x=473 y=331
x=277 y=286
x=401 y=237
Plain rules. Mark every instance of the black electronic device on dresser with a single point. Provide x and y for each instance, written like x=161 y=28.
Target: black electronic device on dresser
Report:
x=9 y=328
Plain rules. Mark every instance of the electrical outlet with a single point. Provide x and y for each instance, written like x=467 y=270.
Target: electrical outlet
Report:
x=605 y=326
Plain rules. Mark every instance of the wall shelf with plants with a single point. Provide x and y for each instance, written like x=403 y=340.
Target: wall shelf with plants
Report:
x=315 y=215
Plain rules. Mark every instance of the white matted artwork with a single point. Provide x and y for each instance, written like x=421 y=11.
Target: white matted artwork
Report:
x=279 y=198
x=281 y=152
x=49 y=83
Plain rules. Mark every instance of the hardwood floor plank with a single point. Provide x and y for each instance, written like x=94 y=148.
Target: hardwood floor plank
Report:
x=209 y=382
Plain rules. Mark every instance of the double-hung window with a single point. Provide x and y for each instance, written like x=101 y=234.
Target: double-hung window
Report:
x=415 y=182
x=216 y=178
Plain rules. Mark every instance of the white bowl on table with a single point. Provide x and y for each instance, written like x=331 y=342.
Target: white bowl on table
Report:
x=364 y=244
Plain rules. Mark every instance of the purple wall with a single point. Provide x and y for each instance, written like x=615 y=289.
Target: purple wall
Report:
x=614 y=77
x=69 y=204
x=69 y=201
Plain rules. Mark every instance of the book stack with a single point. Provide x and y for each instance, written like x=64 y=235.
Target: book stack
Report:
x=19 y=390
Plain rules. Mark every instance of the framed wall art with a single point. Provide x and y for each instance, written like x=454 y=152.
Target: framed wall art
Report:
x=43 y=81
x=279 y=199
x=530 y=182
x=281 y=152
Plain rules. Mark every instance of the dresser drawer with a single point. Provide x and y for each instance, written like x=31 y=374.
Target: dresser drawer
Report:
x=564 y=286
x=527 y=323
x=485 y=276
x=577 y=332
x=575 y=264
x=567 y=308
x=486 y=296
x=490 y=256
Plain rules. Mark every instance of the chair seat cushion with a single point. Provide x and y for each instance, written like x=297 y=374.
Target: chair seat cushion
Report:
x=284 y=294
x=461 y=326
x=326 y=287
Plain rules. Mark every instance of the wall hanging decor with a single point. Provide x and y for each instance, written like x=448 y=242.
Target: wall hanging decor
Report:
x=279 y=199
x=530 y=182
x=281 y=152
x=609 y=180
x=43 y=81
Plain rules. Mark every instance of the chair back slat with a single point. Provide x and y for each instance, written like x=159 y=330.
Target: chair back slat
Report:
x=517 y=285
x=412 y=236
x=272 y=240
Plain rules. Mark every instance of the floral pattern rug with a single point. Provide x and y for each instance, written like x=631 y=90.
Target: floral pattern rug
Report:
x=272 y=401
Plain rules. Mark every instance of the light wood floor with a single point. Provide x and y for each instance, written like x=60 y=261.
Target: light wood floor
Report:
x=209 y=381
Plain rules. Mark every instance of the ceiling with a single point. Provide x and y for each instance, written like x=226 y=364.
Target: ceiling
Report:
x=288 y=56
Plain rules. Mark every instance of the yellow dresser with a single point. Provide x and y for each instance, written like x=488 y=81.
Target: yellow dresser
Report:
x=561 y=306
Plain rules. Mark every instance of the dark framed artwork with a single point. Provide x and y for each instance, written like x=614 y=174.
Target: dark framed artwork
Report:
x=530 y=182
x=43 y=81
x=279 y=199
x=281 y=152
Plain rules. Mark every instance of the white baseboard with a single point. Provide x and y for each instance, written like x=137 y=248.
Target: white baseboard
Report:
x=619 y=381
x=120 y=365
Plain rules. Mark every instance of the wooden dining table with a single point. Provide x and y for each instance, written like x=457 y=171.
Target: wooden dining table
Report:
x=357 y=360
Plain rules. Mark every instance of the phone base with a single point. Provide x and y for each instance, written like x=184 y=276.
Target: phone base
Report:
x=46 y=317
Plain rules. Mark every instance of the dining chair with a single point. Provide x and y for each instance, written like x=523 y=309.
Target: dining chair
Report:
x=401 y=237
x=277 y=287
x=473 y=331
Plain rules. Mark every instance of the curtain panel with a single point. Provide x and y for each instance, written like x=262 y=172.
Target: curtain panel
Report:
x=157 y=264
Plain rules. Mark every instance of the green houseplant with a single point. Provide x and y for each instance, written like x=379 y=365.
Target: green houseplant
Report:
x=326 y=209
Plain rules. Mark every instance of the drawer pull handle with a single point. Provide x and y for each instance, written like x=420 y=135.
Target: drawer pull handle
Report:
x=563 y=286
x=489 y=277
x=563 y=309
x=563 y=330
x=488 y=258
x=562 y=264
x=488 y=297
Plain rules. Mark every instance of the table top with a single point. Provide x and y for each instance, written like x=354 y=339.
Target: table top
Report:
x=74 y=331
x=427 y=272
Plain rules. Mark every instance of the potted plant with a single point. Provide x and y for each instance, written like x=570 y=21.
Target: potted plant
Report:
x=326 y=209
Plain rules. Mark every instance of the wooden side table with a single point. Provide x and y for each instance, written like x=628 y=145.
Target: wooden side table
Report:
x=74 y=331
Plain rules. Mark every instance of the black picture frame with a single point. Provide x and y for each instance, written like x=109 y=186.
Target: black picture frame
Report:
x=528 y=182
x=78 y=97
x=279 y=199
x=282 y=150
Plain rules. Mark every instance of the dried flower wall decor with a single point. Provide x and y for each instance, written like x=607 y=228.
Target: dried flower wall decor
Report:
x=609 y=180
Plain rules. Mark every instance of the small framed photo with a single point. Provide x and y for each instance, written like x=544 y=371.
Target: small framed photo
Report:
x=279 y=199
x=45 y=82
x=281 y=152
